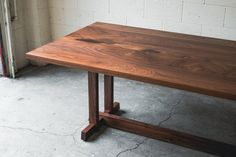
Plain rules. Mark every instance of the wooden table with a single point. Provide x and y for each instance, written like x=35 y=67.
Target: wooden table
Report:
x=186 y=62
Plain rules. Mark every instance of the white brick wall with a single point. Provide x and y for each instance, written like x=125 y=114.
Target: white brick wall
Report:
x=212 y=18
x=127 y=7
x=227 y=3
x=230 y=18
x=202 y=14
x=163 y=9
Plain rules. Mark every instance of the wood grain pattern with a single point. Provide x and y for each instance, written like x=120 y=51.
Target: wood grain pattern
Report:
x=198 y=64
x=91 y=130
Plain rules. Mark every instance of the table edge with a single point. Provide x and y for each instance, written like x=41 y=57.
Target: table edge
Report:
x=199 y=90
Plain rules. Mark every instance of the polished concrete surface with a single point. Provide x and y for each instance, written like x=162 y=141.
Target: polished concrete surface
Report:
x=43 y=112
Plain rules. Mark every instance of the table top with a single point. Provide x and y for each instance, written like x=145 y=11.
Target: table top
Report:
x=193 y=63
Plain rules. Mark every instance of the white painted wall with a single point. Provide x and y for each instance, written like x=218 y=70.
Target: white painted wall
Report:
x=212 y=18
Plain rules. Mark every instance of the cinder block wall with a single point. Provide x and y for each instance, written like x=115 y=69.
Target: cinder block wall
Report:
x=212 y=18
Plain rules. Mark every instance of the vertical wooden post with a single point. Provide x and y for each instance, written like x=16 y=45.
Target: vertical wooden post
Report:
x=108 y=93
x=109 y=105
x=94 y=122
x=93 y=97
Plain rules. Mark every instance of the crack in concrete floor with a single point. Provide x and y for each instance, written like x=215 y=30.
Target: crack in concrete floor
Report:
x=171 y=112
x=138 y=144
x=72 y=135
x=131 y=149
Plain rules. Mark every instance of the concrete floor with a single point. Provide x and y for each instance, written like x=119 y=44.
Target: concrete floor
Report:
x=43 y=112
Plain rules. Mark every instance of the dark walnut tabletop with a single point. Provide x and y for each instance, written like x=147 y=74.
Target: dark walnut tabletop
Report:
x=193 y=63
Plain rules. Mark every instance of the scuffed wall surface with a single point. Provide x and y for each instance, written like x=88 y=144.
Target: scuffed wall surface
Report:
x=19 y=38
x=36 y=14
x=31 y=29
x=212 y=18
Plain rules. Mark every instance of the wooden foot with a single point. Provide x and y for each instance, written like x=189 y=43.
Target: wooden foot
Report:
x=115 y=108
x=171 y=136
x=90 y=130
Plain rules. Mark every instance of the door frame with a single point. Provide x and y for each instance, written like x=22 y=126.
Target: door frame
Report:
x=7 y=40
x=2 y=62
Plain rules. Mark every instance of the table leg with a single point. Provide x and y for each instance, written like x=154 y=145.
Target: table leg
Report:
x=110 y=105
x=156 y=132
x=94 y=121
x=108 y=117
x=170 y=136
